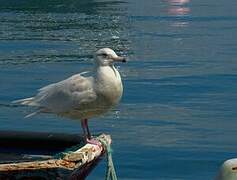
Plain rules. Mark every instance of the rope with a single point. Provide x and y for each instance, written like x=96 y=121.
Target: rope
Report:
x=110 y=172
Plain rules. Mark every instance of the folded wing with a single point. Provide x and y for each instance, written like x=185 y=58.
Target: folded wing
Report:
x=63 y=96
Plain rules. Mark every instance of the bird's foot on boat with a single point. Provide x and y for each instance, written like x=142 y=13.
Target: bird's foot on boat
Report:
x=93 y=141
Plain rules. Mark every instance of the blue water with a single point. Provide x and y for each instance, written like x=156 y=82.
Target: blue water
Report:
x=177 y=116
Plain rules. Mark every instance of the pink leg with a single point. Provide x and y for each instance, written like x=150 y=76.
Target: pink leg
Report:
x=83 y=125
x=87 y=129
x=87 y=135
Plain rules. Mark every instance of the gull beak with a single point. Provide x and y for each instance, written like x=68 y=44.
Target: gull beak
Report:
x=119 y=59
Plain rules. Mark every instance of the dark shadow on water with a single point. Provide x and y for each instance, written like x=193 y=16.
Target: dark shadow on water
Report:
x=57 y=6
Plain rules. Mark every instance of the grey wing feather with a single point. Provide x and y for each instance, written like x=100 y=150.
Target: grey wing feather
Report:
x=64 y=95
x=25 y=101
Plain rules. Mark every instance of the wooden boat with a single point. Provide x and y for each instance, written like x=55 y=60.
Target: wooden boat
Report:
x=27 y=155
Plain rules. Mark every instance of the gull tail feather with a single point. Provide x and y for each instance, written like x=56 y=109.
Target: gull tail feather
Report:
x=26 y=101
x=33 y=114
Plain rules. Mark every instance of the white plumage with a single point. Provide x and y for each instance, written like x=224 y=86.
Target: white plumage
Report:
x=228 y=170
x=80 y=97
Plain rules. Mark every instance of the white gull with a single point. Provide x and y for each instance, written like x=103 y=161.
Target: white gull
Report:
x=80 y=97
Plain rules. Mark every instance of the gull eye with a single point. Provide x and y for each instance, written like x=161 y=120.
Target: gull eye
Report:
x=104 y=55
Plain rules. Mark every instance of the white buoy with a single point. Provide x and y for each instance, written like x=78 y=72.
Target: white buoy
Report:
x=228 y=170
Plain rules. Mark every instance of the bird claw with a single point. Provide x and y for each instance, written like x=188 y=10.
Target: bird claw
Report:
x=93 y=141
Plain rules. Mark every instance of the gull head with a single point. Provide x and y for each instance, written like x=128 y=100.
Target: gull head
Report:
x=106 y=57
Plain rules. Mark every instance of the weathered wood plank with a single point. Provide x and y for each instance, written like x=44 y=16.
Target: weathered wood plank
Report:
x=62 y=167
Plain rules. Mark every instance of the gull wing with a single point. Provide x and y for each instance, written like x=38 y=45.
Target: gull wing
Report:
x=63 y=96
